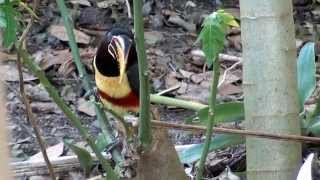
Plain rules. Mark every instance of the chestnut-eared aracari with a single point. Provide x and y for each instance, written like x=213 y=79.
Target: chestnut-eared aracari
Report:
x=116 y=72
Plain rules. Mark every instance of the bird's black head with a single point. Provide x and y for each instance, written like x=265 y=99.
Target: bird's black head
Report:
x=115 y=52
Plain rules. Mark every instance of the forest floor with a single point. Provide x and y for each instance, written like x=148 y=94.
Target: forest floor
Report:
x=175 y=63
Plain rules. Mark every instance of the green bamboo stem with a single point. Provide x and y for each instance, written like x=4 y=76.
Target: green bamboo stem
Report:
x=103 y=122
x=176 y=102
x=35 y=69
x=145 y=136
x=212 y=105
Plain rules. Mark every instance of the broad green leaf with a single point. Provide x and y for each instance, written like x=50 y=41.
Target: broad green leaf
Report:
x=220 y=141
x=101 y=142
x=225 y=112
x=306 y=70
x=83 y=155
x=213 y=32
x=3 y=22
x=9 y=34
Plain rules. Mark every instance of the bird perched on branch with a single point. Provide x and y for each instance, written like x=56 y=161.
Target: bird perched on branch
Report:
x=116 y=72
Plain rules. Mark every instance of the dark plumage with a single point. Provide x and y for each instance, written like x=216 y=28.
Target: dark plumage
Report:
x=117 y=49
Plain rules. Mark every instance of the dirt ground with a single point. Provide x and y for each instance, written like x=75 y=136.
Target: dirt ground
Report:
x=171 y=28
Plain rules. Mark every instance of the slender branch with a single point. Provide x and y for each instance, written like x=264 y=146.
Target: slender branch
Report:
x=101 y=116
x=226 y=72
x=176 y=102
x=211 y=116
x=145 y=136
x=35 y=69
x=242 y=132
x=25 y=100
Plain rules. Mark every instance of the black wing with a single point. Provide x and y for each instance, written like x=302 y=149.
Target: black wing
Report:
x=133 y=77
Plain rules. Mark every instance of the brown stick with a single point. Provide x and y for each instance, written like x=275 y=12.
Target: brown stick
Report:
x=25 y=99
x=219 y=130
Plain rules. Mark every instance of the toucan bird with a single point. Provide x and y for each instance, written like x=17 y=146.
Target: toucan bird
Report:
x=116 y=72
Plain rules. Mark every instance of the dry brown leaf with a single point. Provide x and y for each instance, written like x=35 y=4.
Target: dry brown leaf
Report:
x=186 y=74
x=86 y=107
x=5 y=57
x=86 y=57
x=235 y=42
x=53 y=152
x=109 y=3
x=81 y=2
x=59 y=32
x=152 y=37
x=9 y=72
x=171 y=80
x=45 y=107
x=48 y=57
x=196 y=93
x=183 y=88
x=228 y=89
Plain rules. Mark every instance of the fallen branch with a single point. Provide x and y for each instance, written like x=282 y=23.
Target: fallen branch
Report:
x=222 y=57
x=242 y=132
x=59 y=164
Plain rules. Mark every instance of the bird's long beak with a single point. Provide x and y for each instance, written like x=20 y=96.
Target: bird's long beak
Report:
x=123 y=46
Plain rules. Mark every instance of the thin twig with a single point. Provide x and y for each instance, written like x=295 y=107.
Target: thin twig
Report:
x=226 y=72
x=25 y=100
x=168 y=90
x=242 y=132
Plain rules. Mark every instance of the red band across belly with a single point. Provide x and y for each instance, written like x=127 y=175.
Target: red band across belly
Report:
x=130 y=100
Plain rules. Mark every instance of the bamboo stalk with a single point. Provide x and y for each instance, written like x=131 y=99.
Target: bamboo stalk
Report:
x=145 y=136
x=35 y=69
x=101 y=116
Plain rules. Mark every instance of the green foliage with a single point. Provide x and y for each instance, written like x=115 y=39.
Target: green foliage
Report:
x=83 y=155
x=101 y=142
x=306 y=70
x=212 y=34
x=225 y=112
x=193 y=153
x=314 y=127
x=8 y=21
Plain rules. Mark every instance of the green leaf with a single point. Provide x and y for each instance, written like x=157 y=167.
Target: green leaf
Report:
x=220 y=141
x=225 y=112
x=306 y=70
x=101 y=142
x=314 y=126
x=9 y=34
x=212 y=34
x=83 y=155
x=3 y=21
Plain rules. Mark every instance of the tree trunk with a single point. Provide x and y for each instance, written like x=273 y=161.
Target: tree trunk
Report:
x=270 y=87
x=161 y=162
